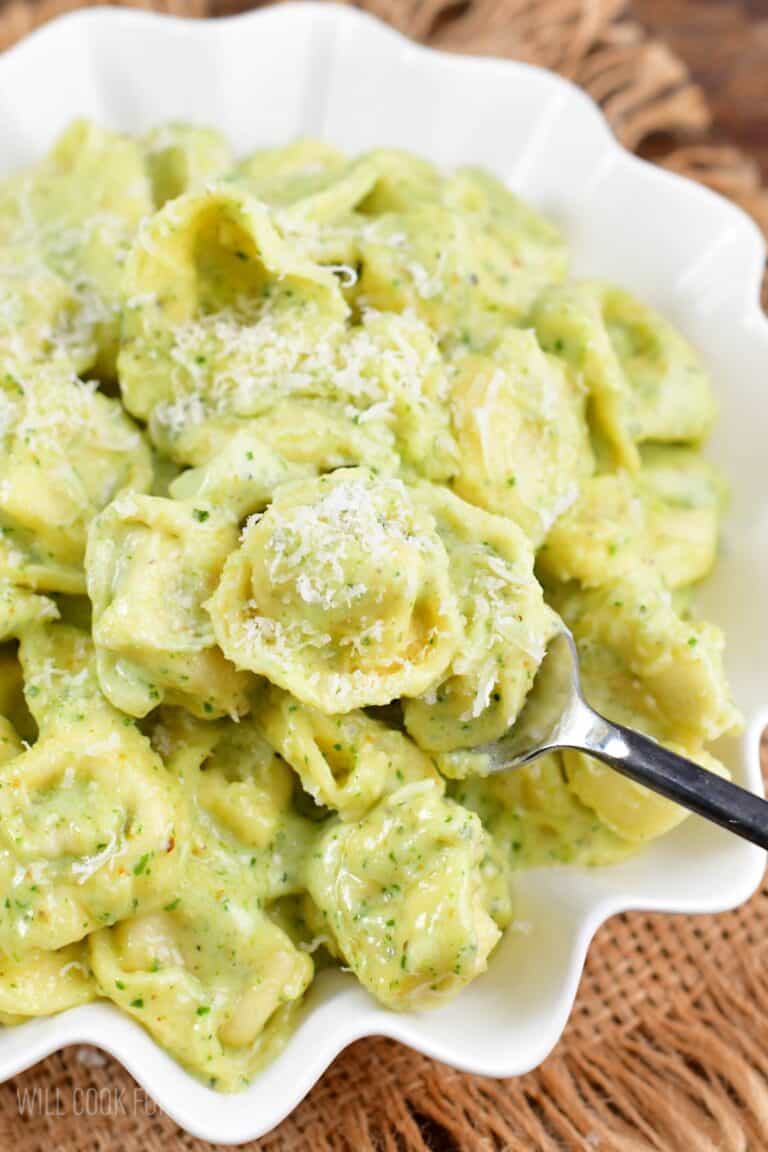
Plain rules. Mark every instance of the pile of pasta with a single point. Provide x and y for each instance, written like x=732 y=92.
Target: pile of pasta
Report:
x=303 y=457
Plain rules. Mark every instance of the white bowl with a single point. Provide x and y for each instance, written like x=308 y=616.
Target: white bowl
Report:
x=325 y=70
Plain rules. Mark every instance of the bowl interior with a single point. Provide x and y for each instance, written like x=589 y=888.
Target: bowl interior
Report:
x=303 y=70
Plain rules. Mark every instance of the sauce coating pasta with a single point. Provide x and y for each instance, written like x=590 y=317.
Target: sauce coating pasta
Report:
x=302 y=457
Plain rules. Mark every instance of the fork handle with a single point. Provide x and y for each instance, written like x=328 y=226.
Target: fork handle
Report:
x=646 y=762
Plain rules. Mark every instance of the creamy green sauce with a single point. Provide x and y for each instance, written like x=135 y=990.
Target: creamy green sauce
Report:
x=302 y=458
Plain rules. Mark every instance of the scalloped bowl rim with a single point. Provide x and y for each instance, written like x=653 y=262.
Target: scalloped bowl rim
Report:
x=337 y=1012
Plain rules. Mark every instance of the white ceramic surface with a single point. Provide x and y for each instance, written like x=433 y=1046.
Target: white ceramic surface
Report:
x=320 y=69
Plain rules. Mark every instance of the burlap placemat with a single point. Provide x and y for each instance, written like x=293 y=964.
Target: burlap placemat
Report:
x=666 y=1049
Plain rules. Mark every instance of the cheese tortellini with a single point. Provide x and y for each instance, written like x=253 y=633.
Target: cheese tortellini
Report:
x=346 y=763
x=90 y=822
x=183 y=158
x=522 y=438
x=67 y=451
x=340 y=593
x=222 y=1010
x=42 y=983
x=645 y=666
x=71 y=219
x=667 y=513
x=536 y=818
x=644 y=380
x=304 y=456
x=505 y=626
x=411 y=895
x=209 y=973
x=228 y=318
x=151 y=565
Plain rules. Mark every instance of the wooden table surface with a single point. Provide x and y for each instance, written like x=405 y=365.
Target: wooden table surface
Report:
x=725 y=44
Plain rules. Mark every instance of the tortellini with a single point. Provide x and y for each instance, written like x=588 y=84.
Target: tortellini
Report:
x=629 y=809
x=209 y=973
x=89 y=819
x=240 y=792
x=462 y=252
x=19 y=608
x=684 y=497
x=411 y=895
x=218 y=306
x=637 y=653
x=67 y=450
x=42 y=983
x=667 y=513
x=41 y=315
x=644 y=666
x=151 y=565
x=182 y=158
x=239 y=480
x=537 y=819
x=303 y=456
x=77 y=211
x=346 y=762
x=505 y=629
x=328 y=436
x=245 y=321
x=522 y=439
x=644 y=380
x=535 y=247
x=340 y=593
x=288 y=175
x=222 y=1007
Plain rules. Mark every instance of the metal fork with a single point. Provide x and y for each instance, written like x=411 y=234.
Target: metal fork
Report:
x=556 y=715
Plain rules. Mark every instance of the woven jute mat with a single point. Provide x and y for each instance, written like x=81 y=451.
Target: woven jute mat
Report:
x=666 y=1049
